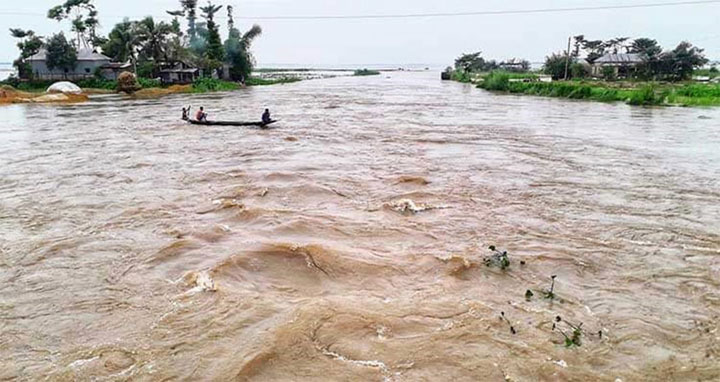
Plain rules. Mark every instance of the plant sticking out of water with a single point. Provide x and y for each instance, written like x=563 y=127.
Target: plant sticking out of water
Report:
x=576 y=332
x=550 y=294
x=498 y=259
x=503 y=318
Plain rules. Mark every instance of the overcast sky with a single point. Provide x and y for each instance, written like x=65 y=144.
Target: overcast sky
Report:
x=431 y=41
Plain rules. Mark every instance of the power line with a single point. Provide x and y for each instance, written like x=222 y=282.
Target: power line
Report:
x=481 y=13
x=442 y=14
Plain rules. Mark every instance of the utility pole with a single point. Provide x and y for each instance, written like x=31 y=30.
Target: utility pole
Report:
x=567 y=59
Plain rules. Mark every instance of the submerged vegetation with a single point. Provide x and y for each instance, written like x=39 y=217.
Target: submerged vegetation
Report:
x=366 y=72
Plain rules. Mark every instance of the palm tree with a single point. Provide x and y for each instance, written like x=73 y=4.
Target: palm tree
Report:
x=154 y=37
x=123 y=42
x=239 y=54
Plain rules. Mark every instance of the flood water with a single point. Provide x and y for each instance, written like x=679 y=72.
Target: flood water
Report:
x=347 y=242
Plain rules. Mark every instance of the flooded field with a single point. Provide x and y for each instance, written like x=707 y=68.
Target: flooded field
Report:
x=347 y=243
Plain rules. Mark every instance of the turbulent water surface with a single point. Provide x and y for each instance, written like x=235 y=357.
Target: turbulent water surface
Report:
x=347 y=242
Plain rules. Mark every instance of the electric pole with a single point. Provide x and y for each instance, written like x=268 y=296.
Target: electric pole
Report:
x=567 y=58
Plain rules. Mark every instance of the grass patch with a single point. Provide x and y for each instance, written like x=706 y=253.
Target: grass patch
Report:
x=646 y=94
x=257 y=81
x=207 y=84
x=366 y=72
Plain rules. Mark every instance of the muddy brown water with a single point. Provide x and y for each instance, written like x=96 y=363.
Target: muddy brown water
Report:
x=347 y=242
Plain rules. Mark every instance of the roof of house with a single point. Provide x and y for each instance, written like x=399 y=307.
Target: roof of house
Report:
x=116 y=65
x=620 y=58
x=191 y=70
x=82 y=55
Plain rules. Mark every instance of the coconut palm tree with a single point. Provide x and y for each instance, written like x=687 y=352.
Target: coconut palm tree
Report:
x=154 y=37
x=123 y=42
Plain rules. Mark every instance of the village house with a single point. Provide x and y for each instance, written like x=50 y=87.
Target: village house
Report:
x=178 y=73
x=112 y=70
x=622 y=64
x=88 y=63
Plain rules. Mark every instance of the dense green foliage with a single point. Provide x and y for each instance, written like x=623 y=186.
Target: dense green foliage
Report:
x=366 y=72
x=207 y=84
x=29 y=45
x=83 y=18
x=151 y=45
x=497 y=81
x=60 y=54
x=475 y=63
x=555 y=65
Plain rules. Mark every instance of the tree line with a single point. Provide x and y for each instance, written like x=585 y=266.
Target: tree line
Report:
x=474 y=62
x=147 y=44
x=656 y=63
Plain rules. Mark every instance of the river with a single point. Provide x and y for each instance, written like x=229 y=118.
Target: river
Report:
x=347 y=242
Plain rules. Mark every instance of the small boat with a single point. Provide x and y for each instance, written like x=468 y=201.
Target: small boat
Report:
x=230 y=123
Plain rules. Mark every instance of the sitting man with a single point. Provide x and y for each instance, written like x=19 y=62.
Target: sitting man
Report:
x=201 y=115
x=266 y=117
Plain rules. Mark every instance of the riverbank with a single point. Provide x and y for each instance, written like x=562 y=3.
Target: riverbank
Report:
x=630 y=92
x=34 y=92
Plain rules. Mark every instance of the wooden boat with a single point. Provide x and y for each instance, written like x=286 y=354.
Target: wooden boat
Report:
x=230 y=123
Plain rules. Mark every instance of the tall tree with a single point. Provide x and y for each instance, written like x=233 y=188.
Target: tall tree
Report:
x=238 y=52
x=470 y=62
x=616 y=45
x=646 y=47
x=84 y=21
x=29 y=45
x=190 y=10
x=60 y=54
x=650 y=51
x=215 y=51
x=154 y=36
x=686 y=59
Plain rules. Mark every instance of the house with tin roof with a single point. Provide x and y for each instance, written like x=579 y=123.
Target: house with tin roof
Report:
x=621 y=63
x=88 y=63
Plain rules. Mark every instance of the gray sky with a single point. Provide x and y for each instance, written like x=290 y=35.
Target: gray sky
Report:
x=432 y=41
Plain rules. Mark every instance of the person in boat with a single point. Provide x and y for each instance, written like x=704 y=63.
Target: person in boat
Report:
x=201 y=115
x=266 y=116
x=185 y=113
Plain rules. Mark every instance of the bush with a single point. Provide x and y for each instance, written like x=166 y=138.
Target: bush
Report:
x=149 y=83
x=645 y=96
x=608 y=73
x=145 y=69
x=578 y=70
x=460 y=76
x=97 y=83
x=555 y=65
x=209 y=84
x=497 y=81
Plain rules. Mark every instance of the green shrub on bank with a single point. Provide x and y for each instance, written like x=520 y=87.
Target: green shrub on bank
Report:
x=149 y=83
x=257 y=81
x=497 y=81
x=97 y=83
x=460 y=76
x=645 y=96
x=207 y=84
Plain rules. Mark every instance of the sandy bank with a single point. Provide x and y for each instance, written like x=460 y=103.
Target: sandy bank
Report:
x=10 y=95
